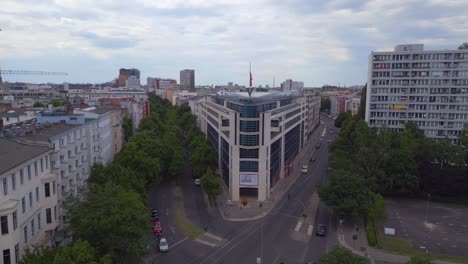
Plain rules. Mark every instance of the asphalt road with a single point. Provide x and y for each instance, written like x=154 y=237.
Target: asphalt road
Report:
x=272 y=238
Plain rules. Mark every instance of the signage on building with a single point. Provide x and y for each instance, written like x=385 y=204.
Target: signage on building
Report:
x=248 y=179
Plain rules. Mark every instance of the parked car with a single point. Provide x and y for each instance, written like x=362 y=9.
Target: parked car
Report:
x=197 y=181
x=312 y=159
x=163 y=245
x=155 y=215
x=157 y=228
x=321 y=230
x=304 y=168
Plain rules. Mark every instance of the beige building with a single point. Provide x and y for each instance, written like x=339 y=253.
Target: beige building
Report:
x=256 y=139
x=28 y=204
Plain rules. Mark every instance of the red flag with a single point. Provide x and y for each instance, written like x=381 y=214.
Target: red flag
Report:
x=250 y=69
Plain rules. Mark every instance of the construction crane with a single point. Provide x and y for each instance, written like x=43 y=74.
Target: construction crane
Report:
x=21 y=72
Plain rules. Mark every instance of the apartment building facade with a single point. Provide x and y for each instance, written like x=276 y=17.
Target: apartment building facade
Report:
x=28 y=205
x=429 y=88
x=256 y=139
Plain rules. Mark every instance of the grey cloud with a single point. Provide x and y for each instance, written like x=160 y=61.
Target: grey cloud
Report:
x=107 y=42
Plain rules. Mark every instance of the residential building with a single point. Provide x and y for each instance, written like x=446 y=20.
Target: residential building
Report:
x=15 y=116
x=92 y=96
x=289 y=85
x=133 y=82
x=187 y=79
x=257 y=138
x=134 y=109
x=110 y=134
x=428 y=87
x=124 y=74
x=352 y=105
x=28 y=205
x=338 y=105
x=158 y=83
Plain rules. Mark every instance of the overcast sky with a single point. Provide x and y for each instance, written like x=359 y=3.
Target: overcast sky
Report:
x=318 y=42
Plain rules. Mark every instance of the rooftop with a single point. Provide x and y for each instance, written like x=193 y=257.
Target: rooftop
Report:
x=100 y=110
x=257 y=98
x=44 y=134
x=13 y=153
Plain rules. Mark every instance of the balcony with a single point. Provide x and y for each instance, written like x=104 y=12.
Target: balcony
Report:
x=71 y=169
x=84 y=147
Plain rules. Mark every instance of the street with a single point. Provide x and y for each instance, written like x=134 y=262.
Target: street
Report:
x=278 y=237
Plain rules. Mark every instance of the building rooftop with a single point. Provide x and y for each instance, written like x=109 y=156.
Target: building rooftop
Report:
x=13 y=153
x=100 y=110
x=43 y=135
x=259 y=98
x=14 y=113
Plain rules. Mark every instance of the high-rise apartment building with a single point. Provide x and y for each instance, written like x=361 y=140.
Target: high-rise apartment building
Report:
x=429 y=88
x=187 y=79
x=124 y=74
x=256 y=139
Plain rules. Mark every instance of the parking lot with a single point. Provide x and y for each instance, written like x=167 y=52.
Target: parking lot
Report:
x=446 y=229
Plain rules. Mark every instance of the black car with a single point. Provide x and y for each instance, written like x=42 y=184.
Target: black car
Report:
x=312 y=159
x=321 y=230
x=317 y=146
x=154 y=214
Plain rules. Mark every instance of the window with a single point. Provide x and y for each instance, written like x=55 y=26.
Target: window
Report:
x=53 y=187
x=6 y=256
x=47 y=162
x=37 y=194
x=47 y=189
x=15 y=220
x=4 y=222
x=29 y=172
x=13 y=181
x=30 y=200
x=17 y=253
x=21 y=176
x=42 y=165
x=248 y=166
x=248 y=140
x=48 y=215
x=248 y=126
x=25 y=233
x=248 y=153
x=55 y=212
x=5 y=186
x=35 y=168
x=23 y=204
x=39 y=221
x=33 y=229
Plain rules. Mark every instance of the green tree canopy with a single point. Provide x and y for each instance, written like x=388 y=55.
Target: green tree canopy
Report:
x=347 y=193
x=419 y=260
x=211 y=185
x=341 y=255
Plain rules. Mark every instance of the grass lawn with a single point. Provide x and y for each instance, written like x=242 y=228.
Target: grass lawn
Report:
x=189 y=229
x=405 y=247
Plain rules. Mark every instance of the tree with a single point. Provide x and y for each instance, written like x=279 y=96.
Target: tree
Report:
x=56 y=103
x=127 y=125
x=347 y=193
x=342 y=117
x=113 y=220
x=463 y=46
x=362 y=106
x=325 y=104
x=37 y=104
x=211 y=185
x=341 y=255
x=419 y=260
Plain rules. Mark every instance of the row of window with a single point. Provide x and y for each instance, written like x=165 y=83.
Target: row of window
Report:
x=426 y=56
x=44 y=165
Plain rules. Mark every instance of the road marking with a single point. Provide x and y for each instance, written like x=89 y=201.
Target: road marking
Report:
x=205 y=242
x=167 y=211
x=172 y=229
x=178 y=242
x=298 y=226
x=214 y=237
x=309 y=230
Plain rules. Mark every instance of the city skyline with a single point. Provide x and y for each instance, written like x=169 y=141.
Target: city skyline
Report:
x=320 y=43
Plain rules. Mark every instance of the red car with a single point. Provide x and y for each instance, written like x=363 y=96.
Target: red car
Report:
x=157 y=228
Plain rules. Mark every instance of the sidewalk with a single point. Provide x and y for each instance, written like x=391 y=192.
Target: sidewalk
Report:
x=234 y=211
x=359 y=246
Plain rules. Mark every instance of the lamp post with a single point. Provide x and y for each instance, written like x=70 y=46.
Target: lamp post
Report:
x=427 y=206
x=259 y=259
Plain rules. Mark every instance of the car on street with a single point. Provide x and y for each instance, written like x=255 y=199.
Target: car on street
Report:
x=312 y=159
x=321 y=230
x=197 y=182
x=155 y=215
x=304 y=168
x=157 y=228
x=329 y=141
x=317 y=146
x=163 y=245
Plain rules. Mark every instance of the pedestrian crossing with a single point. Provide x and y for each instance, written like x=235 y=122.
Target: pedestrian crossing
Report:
x=210 y=240
x=302 y=231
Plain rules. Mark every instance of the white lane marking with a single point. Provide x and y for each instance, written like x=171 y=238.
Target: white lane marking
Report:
x=205 y=242
x=298 y=226
x=172 y=229
x=167 y=211
x=309 y=230
x=214 y=237
x=178 y=242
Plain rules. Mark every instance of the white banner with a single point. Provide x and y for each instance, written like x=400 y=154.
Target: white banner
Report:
x=248 y=179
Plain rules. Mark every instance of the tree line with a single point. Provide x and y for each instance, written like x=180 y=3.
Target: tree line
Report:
x=109 y=221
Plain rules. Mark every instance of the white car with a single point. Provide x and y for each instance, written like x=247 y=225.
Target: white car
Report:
x=163 y=245
x=197 y=181
x=304 y=168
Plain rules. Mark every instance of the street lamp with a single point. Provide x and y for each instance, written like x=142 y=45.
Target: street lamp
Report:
x=259 y=259
x=427 y=206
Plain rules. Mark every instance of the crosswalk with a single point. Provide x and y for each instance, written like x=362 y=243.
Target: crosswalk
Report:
x=210 y=240
x=302 y=231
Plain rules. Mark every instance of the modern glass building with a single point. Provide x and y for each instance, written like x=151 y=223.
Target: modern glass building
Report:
x=256 y=139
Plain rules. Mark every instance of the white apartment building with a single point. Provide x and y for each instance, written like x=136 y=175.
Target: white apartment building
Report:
x=429 y=88
x=28 y=204
x=256 y=139
x=92 y=96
